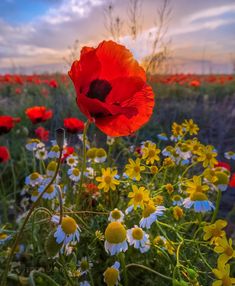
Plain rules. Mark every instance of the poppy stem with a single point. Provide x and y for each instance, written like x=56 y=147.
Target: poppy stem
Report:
x=83 y=161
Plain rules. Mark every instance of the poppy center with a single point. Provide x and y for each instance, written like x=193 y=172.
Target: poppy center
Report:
x=99 y=89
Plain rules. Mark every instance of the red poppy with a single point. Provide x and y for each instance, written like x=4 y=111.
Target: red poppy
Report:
x=232 y=181
x=38 y=114
x=111 y=89
x=4 y=154
x=42 y=133
x=7 y=123
x=73 y=125
x=68 y=150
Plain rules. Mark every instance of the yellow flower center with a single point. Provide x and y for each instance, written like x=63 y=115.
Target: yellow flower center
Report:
x=107 y=179
x=198 y=196
x=116 y=214
x=111 y=276
x=35 y=193
x=100 y=153
x=136 y=169
x=229 y=251
x=34 y=176
x=154 y=169
x=115 y=232
x=3 y=236
x=71 y=160
x=152 y=153
x=138 y=197
x=137 y=233
x=55 y=148
x=50 y=189
x=226 y=281
x=198 y=189
x=68 y=225
x=84 y=264
x=216 y=232
x=91 y=153
x=149 y=209
x=208 y=156
x=76 y=172
x=52 y=166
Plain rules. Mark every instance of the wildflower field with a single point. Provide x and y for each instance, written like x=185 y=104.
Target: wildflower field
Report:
x=111 y=176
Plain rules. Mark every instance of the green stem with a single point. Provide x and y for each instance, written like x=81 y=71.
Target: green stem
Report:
x=149 y=269
x=18 y=236
x=83 y=162
x=219 y=196
x=124 y=267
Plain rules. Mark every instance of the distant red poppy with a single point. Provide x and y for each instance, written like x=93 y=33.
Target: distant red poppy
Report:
x=111 y=89
x=42 y=133
x=68 y=150
x=38 y=114
x=232 y=181
x=73 y=125
x=195 y=83
x=7 y=123
x=4 y=154
x=223 y=165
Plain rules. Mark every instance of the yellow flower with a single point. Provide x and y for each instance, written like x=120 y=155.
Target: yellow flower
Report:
x=194 y=145
x=207 y=155
x=178 y=212
x=107 y=180
x=139 y=196
x=169 y=188
x=190 y=127
x=133 y=169
x=177 y=129
x=150 y=153
x=223 y=275
x=158 y=200
x=214 y=231
x=210 y=175
x=195 y=186
x=168 y=162
x=225 y=249
x=169 y=247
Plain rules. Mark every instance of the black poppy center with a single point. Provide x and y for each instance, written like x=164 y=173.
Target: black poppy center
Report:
x=99 y=89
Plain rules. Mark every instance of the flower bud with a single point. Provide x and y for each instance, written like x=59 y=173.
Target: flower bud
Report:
x=60 y=137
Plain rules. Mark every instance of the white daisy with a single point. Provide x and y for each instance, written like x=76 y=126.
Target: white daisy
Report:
x=116 y=215
x=100 y=155
x=4 y=237
x=33 y=179
x=112 y=274
x=150 y=215
x=51 y=191
x=84 y=265
x=229 y=155
x=54 y=152
x=41 y=154
x=90 y=173
x=34 y=195
x=67 y=231
x=72 y=160
x=74 y=174
x=33 y=144
x=115 y=238
x=51 y=168
x=138 y=238
x=199 y=206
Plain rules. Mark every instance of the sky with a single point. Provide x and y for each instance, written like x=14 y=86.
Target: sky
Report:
x=35 y=34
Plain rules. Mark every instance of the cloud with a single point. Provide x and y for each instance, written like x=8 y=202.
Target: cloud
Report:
x=209 y=13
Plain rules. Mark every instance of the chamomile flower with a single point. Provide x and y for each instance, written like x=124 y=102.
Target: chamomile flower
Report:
x=84 y=265
x=74 y=174
x=67 y=231
x=84 y=283
x=199 y=201
x=115 y=238
x=41 y=154
x=177 y=200
x=72 y=160
x=54 y=152
x=229 y=155
x=34 y=195
x=116 y=215
x=4 y=237
x=90 y=173
x=32 y=144
x=33 y=179
x=150 y=214
x=50 y=193
x=100 y=155
x=112 y=275
x=51 y=168
x=91 y=154
x=162 y=137
x=138 y=238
